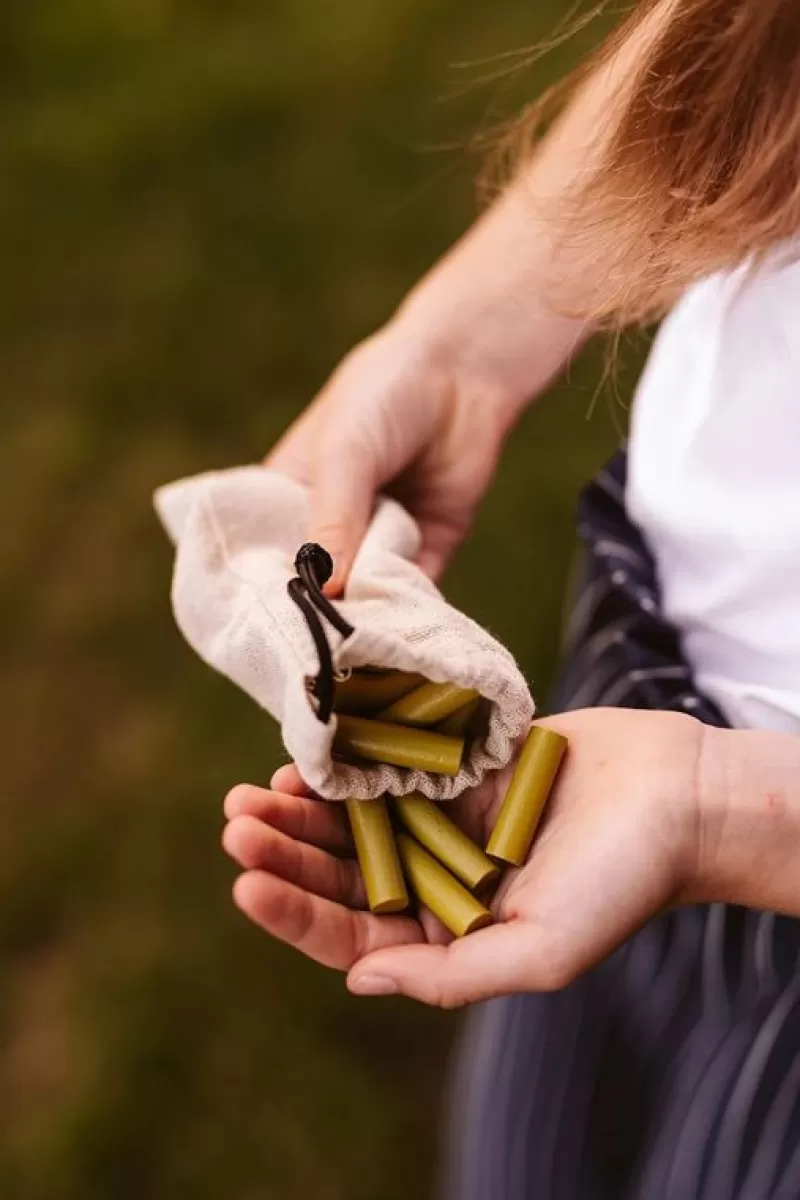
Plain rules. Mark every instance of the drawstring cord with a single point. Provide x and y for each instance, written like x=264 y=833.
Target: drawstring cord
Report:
x=314 y=568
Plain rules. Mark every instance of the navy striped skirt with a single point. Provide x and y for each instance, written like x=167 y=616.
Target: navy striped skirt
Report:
x=672 y=1070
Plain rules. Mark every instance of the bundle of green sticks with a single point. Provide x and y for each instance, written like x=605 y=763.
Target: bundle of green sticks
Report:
x=408 y=843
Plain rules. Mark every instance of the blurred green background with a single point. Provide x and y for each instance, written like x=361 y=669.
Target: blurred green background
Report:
x=203 y=205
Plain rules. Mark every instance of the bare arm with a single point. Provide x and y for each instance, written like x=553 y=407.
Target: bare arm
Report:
x=490 y=297
x=749 y=832
x=423 y=406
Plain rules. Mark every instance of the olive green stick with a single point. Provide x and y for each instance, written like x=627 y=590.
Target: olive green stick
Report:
x=398 y=745
x=439 y=834
x=377 y=855
x=428 y=704
x=447 y=899
x=367 y=692
x=461 y=722
x=512 y=836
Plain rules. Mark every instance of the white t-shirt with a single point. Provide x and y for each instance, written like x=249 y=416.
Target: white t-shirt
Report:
x=714 y=484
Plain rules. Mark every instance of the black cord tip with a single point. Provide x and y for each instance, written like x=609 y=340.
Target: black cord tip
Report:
x=316 y=559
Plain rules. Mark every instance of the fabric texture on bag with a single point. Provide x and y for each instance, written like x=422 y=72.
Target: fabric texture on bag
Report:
x=236 y=534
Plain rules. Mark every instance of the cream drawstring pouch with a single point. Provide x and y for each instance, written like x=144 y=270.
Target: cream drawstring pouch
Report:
x=236 y=534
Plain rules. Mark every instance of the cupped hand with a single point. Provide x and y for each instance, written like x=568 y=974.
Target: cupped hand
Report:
x=398 y=417
x=618 y=844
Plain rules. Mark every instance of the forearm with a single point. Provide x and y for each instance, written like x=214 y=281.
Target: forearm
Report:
x=749 y=843
x=485 y=307
x=495 y=300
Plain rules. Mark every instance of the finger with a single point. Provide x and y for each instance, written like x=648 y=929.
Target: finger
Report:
x=435 y=932
x=482 y=965
x=290 y=454
x=327 y=932
x=313 y=821
x=256 y=846
x=290 y=457
x=288 y=779
x=432 y=562
x=342 y=499
x=471 y=809
x=440 y=540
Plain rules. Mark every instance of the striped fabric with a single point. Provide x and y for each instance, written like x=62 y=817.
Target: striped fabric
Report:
x=671 y=1071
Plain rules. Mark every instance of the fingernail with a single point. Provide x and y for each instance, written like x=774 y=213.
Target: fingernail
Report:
x=373 y=985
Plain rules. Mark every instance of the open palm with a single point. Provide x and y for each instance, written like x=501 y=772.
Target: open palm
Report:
x=617 y=845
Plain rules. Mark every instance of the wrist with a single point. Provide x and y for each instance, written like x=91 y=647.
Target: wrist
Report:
x=460 y=347
x=504 y=370
x=482 y=312
x=749 y=820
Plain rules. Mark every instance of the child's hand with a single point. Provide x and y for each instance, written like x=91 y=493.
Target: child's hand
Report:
x=619 y=843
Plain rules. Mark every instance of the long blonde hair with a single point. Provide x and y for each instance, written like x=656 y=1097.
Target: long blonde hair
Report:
x=701 y=166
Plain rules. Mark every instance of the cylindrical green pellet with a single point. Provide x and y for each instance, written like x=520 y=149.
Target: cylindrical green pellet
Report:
x=428 y=704
x=526 y=797
x=447 y=899
x=398 y=745
x=367 y=692
x=461 y=722
x=439 y=834
x=377 y=855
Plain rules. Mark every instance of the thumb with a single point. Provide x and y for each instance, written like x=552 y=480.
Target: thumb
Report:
x=440 y=540
x=342 y=499
x=496 y=961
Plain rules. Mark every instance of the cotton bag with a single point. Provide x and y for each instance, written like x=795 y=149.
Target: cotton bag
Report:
x=236 y=534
